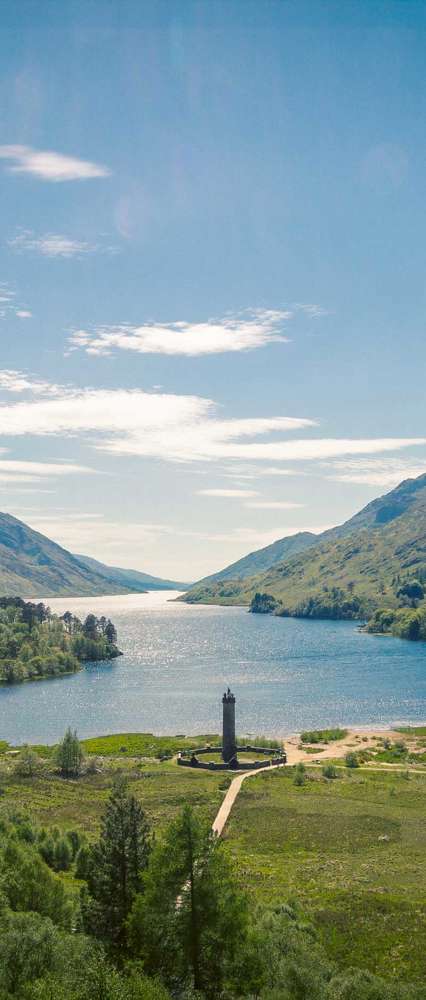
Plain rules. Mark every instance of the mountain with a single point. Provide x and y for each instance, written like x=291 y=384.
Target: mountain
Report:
x=31 y=565
x=262 y=559
x=360 y=565
x=131 y=579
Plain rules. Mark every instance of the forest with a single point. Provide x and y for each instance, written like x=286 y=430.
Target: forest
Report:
x=35 y=644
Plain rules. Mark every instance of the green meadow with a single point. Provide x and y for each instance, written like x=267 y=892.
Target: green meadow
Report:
x=351 y=851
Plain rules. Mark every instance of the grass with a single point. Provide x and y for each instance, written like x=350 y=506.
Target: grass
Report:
x=323 y=735
x=160 y=786
x=352 y=851
x=144 y=744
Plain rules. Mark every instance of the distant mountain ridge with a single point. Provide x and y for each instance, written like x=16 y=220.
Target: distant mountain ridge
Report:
x=139 y=582
x=32 y=565
x=361 y=563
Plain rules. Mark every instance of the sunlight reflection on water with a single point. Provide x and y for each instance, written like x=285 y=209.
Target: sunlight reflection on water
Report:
x=286 y=674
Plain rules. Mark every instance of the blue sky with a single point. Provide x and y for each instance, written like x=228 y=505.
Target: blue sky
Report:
x=212 y=293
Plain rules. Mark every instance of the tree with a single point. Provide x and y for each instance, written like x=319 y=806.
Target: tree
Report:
x=28 y=884
x=26 y=950
x=412 y=590
x=90 y=628
x=115 y=866
x=63 y=855
x=110 y=632
x=263 y=604
x=28 y=763
x=192 y=920
x=69 y=755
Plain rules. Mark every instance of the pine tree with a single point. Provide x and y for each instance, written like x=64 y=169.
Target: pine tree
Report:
x=90 y=628
x=115 y=866
x=110 y=632
x=192 y=921
x=63 y=855
x=69 y=755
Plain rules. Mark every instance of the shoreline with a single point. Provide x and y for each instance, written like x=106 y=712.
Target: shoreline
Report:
x=292 y=739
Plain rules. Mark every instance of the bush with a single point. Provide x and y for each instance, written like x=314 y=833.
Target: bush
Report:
x=323 y=735
x=351 y=759
x=330 y=771
x=28 y=763
x=299 y=774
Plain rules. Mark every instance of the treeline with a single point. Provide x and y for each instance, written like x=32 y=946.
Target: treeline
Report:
x=35 y=643
x=332 y=603
x=405 y=623
x=157 y=917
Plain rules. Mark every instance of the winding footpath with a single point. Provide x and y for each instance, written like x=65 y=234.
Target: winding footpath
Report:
x=233 y=790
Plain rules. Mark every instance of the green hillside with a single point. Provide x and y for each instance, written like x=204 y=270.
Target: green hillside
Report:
x=31 y=565
x=360 y=565
x=262 y=559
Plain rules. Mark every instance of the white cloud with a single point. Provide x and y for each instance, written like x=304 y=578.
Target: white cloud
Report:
x=50 y=166
x=245 y=332
x=273 y=505
x=311 y=309
x=376 y=472
x=55 y=245
x=226 y=493
x=15 y=381
x=9 y=305
x=177 y=428
x=20 y=471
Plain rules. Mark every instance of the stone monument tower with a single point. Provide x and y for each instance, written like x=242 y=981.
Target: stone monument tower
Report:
x=229 y=744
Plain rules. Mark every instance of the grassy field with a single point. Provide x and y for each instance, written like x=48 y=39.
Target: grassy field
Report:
x=351 y=851
x=161 y=786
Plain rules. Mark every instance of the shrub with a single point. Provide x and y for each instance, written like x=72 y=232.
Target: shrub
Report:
x=299 y=774
x=351 y=759
x=28 y=763
x=330 y=771
x=323 y=735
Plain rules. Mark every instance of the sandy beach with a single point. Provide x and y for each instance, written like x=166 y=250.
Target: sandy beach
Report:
x=358 y=738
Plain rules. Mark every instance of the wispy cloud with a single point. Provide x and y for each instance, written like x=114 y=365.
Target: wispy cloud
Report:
x=386 y=472
x=245 y=332
x=273 y=505
x=311 y=309
x=178 y=428
x=9 y=304
x=21 y=471
x=55 y=245
x=50 y=166
x=226 y=493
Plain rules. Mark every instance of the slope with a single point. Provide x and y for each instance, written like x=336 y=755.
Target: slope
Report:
x=262 y=559
x=31 y=565
x=360 y=565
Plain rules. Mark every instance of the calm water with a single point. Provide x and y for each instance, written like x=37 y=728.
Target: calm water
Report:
x=286 y=674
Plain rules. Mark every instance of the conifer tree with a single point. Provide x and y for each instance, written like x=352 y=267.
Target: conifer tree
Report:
x=69 y=755
x=192 y=921
x=115 y=866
